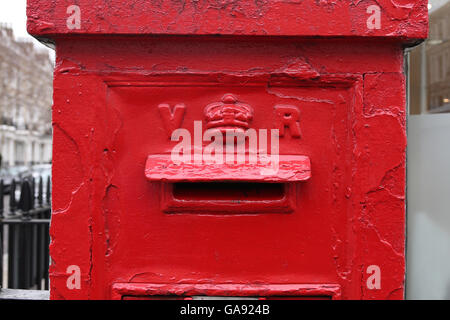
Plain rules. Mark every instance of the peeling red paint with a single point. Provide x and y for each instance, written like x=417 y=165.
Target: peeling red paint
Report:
x=266 y=17
x=132 y=235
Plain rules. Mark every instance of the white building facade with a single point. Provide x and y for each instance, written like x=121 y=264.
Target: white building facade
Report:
x=26 y=76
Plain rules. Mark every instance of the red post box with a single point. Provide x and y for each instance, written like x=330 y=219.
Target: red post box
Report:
x=228 y=148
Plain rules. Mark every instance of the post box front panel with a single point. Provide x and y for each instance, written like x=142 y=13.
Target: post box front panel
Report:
x=196 y=241
x=342 y=211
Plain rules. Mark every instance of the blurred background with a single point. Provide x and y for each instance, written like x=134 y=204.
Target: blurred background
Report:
x=26 y=75
x=25 y=155
x=25 y=92
x=428 y=161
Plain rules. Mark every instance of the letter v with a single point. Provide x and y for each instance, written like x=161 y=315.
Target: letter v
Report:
x=172 y=120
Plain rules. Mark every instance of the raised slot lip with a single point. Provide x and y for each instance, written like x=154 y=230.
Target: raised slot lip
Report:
x=291 y=168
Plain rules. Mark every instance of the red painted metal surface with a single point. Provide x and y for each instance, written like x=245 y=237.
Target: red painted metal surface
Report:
x=127 y=75
x=400 y=18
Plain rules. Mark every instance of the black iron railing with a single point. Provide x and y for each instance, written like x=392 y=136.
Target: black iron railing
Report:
x=24 y=234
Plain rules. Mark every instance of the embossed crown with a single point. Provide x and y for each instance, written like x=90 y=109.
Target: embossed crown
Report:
x=228 y=114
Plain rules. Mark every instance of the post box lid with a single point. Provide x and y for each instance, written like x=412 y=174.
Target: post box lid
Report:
x=405 y=20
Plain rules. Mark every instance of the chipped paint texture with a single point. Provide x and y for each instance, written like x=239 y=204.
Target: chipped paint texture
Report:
x=399 y=18
x=350 y=92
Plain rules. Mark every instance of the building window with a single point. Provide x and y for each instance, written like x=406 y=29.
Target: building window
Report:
x=429 y=68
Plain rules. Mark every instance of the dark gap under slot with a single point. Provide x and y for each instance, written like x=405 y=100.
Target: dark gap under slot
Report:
x=228 y=191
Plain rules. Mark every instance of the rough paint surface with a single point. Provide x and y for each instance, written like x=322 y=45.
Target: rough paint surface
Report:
x=399 y=18
x=111 y=221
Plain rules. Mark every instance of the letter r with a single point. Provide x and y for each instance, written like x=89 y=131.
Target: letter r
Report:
x=288 y=116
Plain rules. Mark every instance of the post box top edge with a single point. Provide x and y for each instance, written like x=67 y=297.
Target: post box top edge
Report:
x=399 y=19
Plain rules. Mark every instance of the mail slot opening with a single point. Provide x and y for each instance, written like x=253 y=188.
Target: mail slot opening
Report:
x=229 y=191
x=228 y=197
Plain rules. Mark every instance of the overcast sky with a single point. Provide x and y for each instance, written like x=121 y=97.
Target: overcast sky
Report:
x=14 y=13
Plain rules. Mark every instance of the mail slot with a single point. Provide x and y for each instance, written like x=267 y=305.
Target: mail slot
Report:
x=253 y=149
